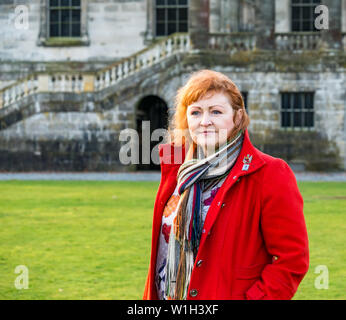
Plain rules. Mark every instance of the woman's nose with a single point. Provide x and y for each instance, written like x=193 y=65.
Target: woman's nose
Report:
x=205 y=120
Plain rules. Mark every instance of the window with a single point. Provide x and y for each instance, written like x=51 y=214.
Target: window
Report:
x=171 y=16
x=303 y=15
x=64 y=18
x=244 y=95
x=297 y=109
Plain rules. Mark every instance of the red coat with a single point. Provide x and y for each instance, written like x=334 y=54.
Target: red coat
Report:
x=254 y=244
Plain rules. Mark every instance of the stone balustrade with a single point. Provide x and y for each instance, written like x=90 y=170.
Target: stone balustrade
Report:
x=293 y=41
x=158 y=51
x=234 y=41
x=88 y=82
x=18 y=90
x=65 y=83
x=178 y=42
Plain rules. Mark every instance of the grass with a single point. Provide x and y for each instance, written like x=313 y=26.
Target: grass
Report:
x=91 y=240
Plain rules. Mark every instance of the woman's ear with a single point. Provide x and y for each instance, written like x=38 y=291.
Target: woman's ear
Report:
x=239 y=116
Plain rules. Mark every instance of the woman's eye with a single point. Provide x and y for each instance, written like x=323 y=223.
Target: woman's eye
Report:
x=194 y=113
x=216 y=112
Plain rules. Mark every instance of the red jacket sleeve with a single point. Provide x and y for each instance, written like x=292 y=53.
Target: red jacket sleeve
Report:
x=285 y=235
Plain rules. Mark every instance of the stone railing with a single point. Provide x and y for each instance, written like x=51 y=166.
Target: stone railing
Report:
x=234 y=41
x=18 y=90
x=88 y=82
x=292 y=41
x=178 y=42
x=60 y=82
x=158 y=51
x=344 y=41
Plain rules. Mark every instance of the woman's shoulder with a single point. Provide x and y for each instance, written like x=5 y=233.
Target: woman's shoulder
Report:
x=275 y=167
x=171 y=154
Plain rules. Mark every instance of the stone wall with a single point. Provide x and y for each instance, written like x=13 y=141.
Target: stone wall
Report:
x=114 y=27
x=81 y=132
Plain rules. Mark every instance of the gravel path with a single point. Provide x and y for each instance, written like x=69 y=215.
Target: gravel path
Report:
x=142 y=176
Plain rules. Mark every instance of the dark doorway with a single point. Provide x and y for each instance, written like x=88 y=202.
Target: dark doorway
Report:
x=155 y=110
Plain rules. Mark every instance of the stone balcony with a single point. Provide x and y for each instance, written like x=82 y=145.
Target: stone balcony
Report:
x=179 y=43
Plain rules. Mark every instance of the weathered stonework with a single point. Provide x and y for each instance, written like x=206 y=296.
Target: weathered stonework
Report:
x=70 y=130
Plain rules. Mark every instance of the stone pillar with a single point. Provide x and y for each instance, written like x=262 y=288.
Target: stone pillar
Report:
x=149 y=32
x=229 y=12
x=332 y=37
x=215 y=16
x=282 y=16
x=88 y=82
x=343 y=16
x=43 y=80
x=343 y=29
x=265 y=24
x=199 y=23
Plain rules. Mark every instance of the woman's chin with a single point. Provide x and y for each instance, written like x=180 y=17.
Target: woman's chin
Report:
x=207 y=146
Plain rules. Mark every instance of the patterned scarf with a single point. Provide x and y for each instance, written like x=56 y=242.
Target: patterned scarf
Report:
x=194 y=177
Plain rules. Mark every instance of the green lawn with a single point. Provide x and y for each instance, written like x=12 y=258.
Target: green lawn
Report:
x=91 y=240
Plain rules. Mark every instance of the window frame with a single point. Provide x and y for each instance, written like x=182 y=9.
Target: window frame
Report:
x=303 y=111
x=166 y=22
x=245 y=95
x=44 y=38
x=70 y=22
x=301 y=19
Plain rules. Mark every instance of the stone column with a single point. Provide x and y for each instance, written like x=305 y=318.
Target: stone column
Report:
x=343 y=28
x=282 y=16
x=43 y=81
x=88 y=82
x=332 y=37
x=148 y=34
x=343 y=16
x=265 y=24
x=199 y=23
x=215 y=16
x=230 y=11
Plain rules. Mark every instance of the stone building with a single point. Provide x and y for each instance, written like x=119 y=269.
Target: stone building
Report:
x=75 y=73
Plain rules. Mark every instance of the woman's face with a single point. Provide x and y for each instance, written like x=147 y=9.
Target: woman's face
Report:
x=210 y=121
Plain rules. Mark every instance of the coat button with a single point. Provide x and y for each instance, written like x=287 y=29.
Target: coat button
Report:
x=223 y=205
x=193 y=293
x=199 y=262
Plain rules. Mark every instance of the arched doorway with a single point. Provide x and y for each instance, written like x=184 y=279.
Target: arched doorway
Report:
x=154 y=109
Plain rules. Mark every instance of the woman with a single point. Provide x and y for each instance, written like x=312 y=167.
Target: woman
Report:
x=228 y=219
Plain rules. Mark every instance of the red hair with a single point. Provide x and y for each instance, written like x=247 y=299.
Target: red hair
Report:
x=199 y=85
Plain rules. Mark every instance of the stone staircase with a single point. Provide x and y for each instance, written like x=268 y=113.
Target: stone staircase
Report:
x=100 y=80
x=70 y=121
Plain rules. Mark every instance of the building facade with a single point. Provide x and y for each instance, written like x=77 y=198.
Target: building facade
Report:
x=74 y=74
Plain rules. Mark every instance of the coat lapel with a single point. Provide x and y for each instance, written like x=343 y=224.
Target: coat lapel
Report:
x=171 y=159
x=238 y=170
